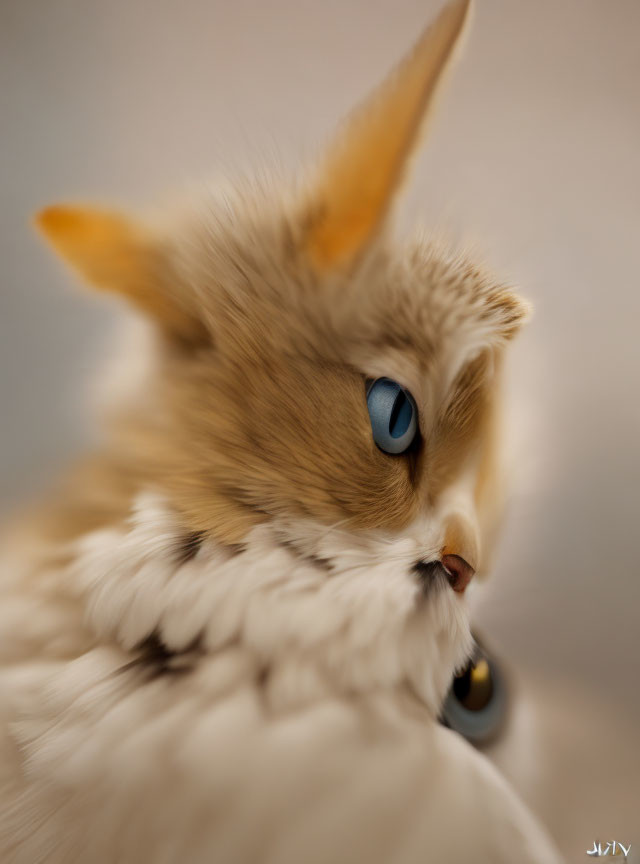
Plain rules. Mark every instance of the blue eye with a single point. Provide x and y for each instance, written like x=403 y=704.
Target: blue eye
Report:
x=477 y=701
x=393 y=415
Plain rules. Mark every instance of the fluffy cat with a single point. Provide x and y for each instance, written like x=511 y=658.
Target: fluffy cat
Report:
x=228 y=637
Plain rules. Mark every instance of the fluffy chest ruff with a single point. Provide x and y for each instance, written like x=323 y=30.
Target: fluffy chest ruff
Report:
x=166 y=699
x=270 y=696
x=153 y=672
x=314 y=611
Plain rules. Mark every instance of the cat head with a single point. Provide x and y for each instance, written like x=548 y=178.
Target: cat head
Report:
x=314 y=379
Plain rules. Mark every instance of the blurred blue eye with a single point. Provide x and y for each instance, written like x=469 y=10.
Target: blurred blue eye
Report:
x=393 y=415
x=477 y=701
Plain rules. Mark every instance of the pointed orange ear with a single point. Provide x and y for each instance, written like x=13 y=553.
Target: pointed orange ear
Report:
x=364 y=167
x=115 y=254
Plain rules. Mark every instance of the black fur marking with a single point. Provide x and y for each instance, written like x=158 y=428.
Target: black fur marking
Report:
x=431 y=576
x=156 y=660
x=262 y=678
x=190 y=547
x=323 y=563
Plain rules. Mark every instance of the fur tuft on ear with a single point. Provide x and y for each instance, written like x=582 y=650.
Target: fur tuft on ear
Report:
x=364 y=167
x=116 y=254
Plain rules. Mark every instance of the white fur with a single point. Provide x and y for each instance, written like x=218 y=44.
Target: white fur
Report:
x=360 y=623
x=302 y=726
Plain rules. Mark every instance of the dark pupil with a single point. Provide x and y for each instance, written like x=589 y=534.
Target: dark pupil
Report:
x=400 y=416
x=474 y=691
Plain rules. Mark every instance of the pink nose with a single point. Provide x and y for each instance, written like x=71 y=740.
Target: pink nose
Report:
x=459 y=572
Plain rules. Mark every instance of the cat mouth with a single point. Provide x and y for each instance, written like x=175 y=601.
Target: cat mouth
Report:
x=451 y=570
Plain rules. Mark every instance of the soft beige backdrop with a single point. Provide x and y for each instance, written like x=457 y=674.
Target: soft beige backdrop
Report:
x=533 y=159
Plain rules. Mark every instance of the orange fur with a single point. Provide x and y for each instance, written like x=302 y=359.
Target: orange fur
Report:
x=364 y=167
x=234 y=611
x=258 y=408
x=114 y=253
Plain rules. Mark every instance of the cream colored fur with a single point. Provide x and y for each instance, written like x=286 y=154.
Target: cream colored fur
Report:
x=334 y=755
x=218 y=643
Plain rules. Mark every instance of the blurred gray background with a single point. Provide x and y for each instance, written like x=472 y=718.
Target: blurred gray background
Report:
x=534 y=160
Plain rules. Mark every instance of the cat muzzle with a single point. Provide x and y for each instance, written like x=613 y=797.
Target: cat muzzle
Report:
x=451 y=569
x=459 y=555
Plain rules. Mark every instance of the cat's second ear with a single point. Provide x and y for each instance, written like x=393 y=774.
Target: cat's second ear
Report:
x=114 y=253
x=365 y=166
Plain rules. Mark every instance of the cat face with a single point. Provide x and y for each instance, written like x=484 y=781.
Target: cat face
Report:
x=269 y=416
x=275 y=314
